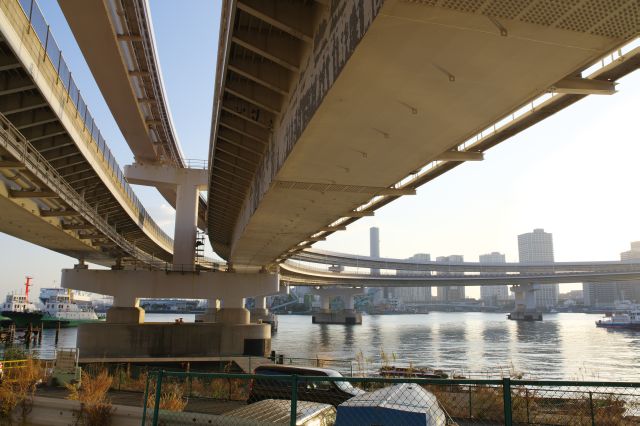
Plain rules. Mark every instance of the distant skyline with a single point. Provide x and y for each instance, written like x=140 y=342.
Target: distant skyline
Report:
x=574 y=174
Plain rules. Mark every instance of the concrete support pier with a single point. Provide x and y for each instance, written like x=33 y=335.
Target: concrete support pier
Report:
x=525 y=300
x=209 y=315
x=346 y=316
x=260 y=313
x=126 y=335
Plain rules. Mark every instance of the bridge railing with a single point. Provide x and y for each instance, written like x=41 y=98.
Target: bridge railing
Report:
x=20 y=148
x=278 y=398
x=53 y=54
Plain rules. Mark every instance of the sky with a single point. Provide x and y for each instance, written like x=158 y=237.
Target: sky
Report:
x=574 y=174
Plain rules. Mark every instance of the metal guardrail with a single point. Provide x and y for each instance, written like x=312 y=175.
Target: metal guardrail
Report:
x=236 y=399
x=53 y=53
x=16 y=144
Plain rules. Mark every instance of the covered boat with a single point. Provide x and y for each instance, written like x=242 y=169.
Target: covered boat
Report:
x=405 y=404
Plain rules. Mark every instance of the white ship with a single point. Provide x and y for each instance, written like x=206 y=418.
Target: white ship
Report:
x=62 y=304
x=15 y=302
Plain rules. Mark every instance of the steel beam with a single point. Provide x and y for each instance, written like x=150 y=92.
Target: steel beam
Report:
x=584 y=86
x=460 y=156
x=32 y=194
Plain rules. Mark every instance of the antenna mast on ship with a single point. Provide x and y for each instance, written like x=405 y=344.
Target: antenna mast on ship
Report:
x=27 y=284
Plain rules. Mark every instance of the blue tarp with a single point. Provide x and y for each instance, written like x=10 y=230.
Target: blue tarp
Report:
x=406 y=404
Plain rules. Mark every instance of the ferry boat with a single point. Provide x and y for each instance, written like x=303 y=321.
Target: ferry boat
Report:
x=20 y=310
x=59 y=309
x=629 y=320
x=63 y=305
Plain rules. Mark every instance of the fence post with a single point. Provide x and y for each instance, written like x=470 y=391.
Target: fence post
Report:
x=146 y=400
x=506 y=396
x=30 y=12
x=156 y=407
x=46 y=43
x=294 y=401
x=593 y=417
x=527 y=401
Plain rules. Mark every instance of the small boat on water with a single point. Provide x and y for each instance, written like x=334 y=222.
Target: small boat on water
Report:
x=629 y=320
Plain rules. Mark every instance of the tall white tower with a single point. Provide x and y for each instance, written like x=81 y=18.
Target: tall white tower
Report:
x=537 y=247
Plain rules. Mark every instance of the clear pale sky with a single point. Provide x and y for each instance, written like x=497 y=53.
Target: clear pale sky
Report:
x=574 y=175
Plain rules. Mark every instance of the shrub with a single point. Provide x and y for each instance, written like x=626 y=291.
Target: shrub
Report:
x=17 y=390
x=95 y=406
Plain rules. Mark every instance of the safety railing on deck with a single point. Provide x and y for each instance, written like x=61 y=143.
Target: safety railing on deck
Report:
x=241 y=399
x=53 y=53
x=18 y=146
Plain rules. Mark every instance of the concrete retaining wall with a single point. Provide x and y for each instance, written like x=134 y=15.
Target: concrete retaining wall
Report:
x=173 y=340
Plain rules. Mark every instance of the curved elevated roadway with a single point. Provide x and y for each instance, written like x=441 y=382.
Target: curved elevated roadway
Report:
x=116 y=39
x=326 y=111
x=60 y=187
x=298 y=274
x=356 y=261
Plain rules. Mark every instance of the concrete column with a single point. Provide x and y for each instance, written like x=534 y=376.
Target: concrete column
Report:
x=261 y=302
x=233 y=311
x=188 y=184
x=349 y=302
x=325 y=303
x=260 y=310
x=185 y=230
x=209 y=315
x=525 y=303
x=125 y=310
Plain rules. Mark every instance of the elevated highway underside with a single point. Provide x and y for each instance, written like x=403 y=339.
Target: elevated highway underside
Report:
x=60 y=187
x=325 y=113
x=117 y=41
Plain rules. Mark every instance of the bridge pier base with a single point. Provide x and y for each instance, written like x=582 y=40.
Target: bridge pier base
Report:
x=347 y=316
x=126 y=335
x=525 y=300
x=209 y=315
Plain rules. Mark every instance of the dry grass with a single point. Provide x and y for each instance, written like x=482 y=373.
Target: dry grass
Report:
x=95 y=406
x=171 y=396
x=17 y=390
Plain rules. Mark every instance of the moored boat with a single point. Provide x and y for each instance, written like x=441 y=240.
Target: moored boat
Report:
x=629 y=320
x=61 y=305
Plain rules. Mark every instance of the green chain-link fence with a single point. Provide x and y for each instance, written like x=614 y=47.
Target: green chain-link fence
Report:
x=180 y=398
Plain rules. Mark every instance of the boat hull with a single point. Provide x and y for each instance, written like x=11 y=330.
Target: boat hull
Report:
x=618 y=326
x=37 y=319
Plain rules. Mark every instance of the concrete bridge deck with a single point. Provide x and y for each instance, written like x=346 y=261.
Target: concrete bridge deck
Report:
x=61 y=186
x=325 y=112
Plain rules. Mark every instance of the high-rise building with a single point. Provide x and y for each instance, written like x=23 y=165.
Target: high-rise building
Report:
x=600 y=294
x=374 y=246
x=495 y=294
x=537 y=247
x=414 y=295
x=376 y=294
x=608 y=294
x=450 y=293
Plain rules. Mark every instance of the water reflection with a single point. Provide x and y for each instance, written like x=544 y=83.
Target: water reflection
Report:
x=562 y=346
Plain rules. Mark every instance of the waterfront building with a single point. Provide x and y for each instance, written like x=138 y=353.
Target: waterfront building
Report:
x=414 y=295
x=496 y=294
x=537 y=247
x=450 y=294
x=612 y=293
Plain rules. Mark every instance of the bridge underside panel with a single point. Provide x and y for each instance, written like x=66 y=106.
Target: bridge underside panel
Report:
x=53 y=155
x=21 y=219
x=420 y=82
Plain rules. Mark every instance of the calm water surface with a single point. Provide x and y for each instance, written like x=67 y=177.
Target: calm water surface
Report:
x=563 y=346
